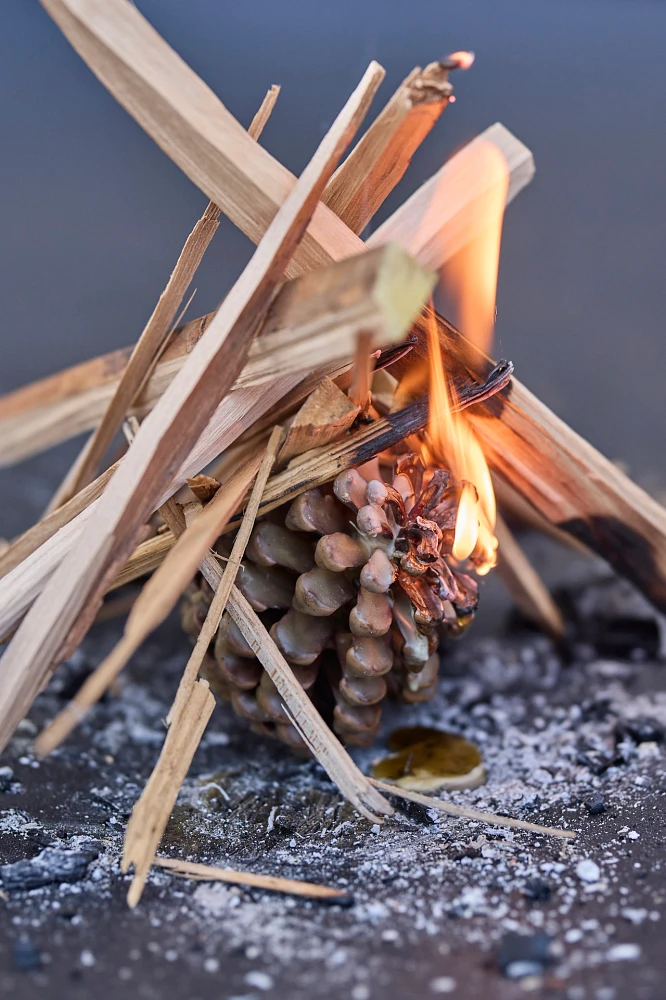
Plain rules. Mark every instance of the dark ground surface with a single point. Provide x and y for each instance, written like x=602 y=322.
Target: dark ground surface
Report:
x=435 y=903
x=93 y=219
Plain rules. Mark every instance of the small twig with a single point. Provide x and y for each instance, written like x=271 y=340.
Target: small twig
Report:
x=209 y=873
x=219 y=602
x=464 y=813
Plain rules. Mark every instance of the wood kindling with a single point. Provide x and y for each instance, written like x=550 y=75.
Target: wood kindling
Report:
x=71 y=598
x=273 y=883
x=192 y=126
x=155 y=335
x=524 y=583
x=464 y=812
x=191 y=708
x=157 y=599
x=377 y=163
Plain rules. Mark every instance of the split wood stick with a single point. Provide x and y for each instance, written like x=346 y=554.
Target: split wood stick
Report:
x=151 y=812
x=524 y=583
x=434 y=228
x=191 y=708
x=464 y=813
x=155 y=335
x=192 y=126
x=219 y=602
x=211 y=873
x=514 y=506
x=312 y=321
x=377 y=163
x=157 y=599
x=325 y=415
x=361 y=375
x=167 y=434
x=56 y=408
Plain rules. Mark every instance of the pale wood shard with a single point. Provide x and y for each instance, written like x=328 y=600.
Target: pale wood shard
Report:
x=524 y=583
x=219 y=602
x=324 y=744
x=211 y=873
x=71 y=598
x=312 y=321
x=155 y=336
x=462 y=812
x=191 y=708
x=325 y=415
x=432 y=237
x=192 y=126
x=361 y=376
x=151 y=812
x=157 y=599
x=379 y=160
x=517 y=508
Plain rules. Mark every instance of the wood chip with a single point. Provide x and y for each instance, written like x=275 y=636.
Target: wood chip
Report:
x=377 y=163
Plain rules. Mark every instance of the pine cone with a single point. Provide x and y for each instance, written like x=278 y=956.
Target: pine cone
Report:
x=355 y=604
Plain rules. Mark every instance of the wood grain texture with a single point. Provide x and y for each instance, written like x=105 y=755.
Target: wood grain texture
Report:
x=379 y=160
x=524 y=584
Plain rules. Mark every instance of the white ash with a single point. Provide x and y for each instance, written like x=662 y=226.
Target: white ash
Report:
x=423 y=876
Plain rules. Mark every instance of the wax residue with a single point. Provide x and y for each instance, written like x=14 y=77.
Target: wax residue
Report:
x=427 y=759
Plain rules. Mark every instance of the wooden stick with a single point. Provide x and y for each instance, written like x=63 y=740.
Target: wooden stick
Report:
x=312 y=321
x=433 y=236
x=514 y=506
x=190 y=124
x=209 y=873
x=524 y=583
x=34 y=537
x=464 y=813
x=155 y=335
x=219 y=602
x=322 y=741
x=190 y=711
x=157 y=599
x=151 y=813
x=377 y=163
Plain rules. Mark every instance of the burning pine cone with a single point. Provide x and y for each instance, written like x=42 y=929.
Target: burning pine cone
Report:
x=357 y=613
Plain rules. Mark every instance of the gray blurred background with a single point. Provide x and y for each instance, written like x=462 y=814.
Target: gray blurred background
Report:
x=94 y=215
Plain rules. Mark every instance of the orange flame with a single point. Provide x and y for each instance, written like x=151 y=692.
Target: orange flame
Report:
x=473 y=277
x=463 y=59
